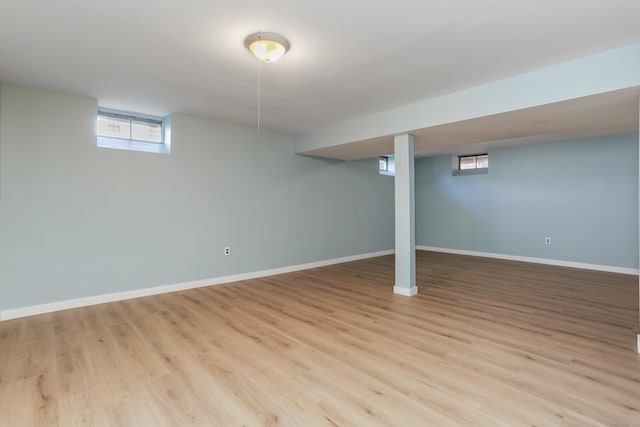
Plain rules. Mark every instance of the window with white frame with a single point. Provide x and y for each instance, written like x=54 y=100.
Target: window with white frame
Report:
x=131 y=131
x=387 y=165
x=477 y=161
x=472 y=164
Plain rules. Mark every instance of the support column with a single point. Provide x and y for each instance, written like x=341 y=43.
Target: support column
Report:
x=638 y=336
x=405 y=216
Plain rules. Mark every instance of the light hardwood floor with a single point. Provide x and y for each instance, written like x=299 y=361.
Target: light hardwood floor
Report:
x=486 y=342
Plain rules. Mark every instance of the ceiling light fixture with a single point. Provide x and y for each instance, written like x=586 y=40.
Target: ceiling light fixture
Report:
x=267 y=47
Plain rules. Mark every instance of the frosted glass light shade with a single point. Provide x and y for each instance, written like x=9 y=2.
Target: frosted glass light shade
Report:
x=267 y=47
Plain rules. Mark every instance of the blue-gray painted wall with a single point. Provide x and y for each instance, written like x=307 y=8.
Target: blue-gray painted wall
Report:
x=582 y=193
x=77 y=220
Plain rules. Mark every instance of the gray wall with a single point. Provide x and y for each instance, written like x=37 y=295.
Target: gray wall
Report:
x=582 y=193
x=77 y=220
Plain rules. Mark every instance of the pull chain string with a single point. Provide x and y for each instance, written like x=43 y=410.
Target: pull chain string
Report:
x=259 y=90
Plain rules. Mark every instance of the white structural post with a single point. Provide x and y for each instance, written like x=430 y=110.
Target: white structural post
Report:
x=638 y=336
x=405 y=216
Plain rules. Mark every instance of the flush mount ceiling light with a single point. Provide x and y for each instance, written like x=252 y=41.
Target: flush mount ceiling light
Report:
x=267 y=47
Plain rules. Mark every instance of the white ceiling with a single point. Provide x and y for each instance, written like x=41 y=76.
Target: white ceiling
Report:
x=347 y=58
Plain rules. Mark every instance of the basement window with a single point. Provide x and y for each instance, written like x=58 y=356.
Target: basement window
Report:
x=387 y=165
x=132 y=131
x=473 y=164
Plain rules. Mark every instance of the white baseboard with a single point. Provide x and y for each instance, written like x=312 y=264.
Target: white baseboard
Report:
x=407 y=292
x=560 y=263
x=137 y=293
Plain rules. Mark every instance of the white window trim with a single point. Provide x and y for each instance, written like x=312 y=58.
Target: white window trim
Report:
x=455 y=166
x=163 y=147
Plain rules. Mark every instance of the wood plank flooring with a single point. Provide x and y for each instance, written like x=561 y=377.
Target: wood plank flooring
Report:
x=485 y=343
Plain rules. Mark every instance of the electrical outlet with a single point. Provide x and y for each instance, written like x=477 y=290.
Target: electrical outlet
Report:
x=547 y=240
x=227 y=250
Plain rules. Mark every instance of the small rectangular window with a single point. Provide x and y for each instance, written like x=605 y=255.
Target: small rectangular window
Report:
x=473 y=164
x=383 y=164
x=131 y=131
x=387 y=165
x=477 y=161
